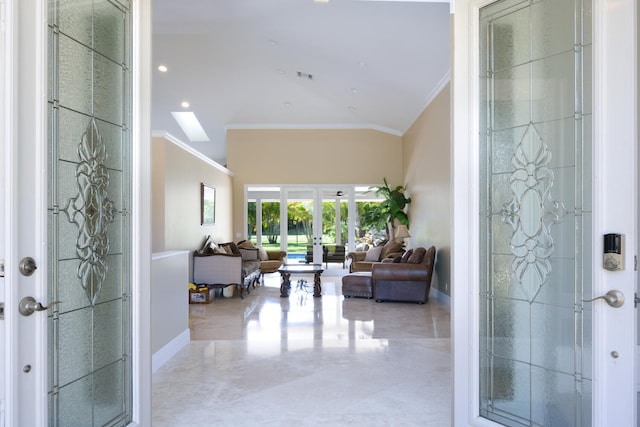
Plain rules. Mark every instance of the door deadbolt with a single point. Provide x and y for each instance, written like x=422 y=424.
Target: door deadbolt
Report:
x=27 y=266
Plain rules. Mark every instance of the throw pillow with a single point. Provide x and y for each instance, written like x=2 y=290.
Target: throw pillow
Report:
x=373 y=254
x=389 y=248
x=231 y=248
x=406 y=255
x=262 y=254
x=245 y=244
x=205 y=246
x=417 y=256
x=219 y=250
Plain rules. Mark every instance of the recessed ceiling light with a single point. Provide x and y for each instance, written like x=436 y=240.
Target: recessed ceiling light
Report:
x=273 y=42
x=190 y=126
x=354 y=90
x=362 y=64
x=321 y=1
x=162 y=68
x=184 y=104
x=287 y=104
x=351 y=108
x=281 y=71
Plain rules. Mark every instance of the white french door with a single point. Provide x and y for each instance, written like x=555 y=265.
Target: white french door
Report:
x=305 y=208
x=545 y=165
x=76 y=251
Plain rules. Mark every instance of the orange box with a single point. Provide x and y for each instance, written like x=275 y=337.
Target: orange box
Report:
x=202 y=296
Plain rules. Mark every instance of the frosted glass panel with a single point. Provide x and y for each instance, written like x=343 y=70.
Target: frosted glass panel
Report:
x=510 y=35
x=75 y=75
x=511 y=97
x=553 y=84
x=109 y=27
x=550 y=32
x=89 y=335
x=535 y=204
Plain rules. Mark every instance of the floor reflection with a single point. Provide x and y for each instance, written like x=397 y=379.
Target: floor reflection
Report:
x=356 y=361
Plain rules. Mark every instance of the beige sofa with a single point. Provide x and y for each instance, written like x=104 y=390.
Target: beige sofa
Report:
x=364 y=260
x=226 y=265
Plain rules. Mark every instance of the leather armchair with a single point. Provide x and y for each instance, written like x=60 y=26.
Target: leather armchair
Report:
x=275 y=260
x=405 y=281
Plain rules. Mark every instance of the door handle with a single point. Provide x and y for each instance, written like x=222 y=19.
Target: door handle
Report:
x=614 y=298
x=28 y=305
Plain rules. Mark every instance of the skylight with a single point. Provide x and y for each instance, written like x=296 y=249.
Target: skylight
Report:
x=190 y=126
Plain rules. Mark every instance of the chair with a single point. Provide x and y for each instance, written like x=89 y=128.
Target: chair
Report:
x=330 y=253
x=270 y=260
x=333 y=253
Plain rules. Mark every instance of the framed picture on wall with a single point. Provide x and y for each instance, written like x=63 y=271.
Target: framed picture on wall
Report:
x=207 y=204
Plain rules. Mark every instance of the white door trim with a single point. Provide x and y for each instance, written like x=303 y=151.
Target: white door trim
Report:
x=141 y=212
x=464 y=176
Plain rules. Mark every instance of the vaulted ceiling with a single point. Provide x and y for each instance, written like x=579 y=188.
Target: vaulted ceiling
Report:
x=296 y=64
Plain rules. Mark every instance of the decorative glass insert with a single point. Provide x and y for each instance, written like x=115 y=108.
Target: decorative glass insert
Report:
x=531 y=242
x=92 y=211
x=536 y=213
x=89 y=199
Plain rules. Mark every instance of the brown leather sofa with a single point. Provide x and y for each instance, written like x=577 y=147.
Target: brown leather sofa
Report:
x=363 y=261
x=406 y=280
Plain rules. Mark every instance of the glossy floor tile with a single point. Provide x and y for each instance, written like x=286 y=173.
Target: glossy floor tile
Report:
x=305 y=361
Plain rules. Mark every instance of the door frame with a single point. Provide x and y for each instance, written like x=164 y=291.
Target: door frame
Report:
x=615 y=95
x=141 y=209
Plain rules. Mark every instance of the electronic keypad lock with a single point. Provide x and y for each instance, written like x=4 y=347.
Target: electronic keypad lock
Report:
x=613 y=252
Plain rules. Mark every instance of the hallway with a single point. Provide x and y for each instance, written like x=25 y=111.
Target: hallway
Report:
x=304 y=361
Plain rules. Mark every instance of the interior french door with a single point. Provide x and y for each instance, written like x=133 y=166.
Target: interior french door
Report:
x=545 y=166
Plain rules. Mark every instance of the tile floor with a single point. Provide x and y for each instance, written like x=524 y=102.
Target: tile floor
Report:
x=304 y=361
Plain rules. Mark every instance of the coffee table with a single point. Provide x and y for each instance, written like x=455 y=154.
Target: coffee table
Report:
x=288 y=269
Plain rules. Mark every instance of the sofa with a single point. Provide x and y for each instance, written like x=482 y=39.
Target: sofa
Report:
x=223 y=265
x=364 y=260
x=405 y=279
x=270 y=260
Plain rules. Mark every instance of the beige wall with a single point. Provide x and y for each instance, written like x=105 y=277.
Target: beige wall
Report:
x=427 y=160
x=177 y=174
x=310 y=156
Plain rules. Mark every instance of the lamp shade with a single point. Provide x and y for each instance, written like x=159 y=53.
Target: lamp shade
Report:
x=402 y=232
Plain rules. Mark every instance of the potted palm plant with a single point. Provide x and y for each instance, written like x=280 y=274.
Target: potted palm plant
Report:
x=389 y=211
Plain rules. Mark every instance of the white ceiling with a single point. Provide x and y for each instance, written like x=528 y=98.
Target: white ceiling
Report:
x=375 y=64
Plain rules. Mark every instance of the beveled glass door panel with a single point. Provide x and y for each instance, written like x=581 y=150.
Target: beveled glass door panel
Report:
x=89 y=213
x=536 y=213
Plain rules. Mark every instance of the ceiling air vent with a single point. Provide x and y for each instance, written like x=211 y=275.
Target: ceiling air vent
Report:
x=306 y=76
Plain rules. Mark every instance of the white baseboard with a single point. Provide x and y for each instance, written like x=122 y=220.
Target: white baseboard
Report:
x=441 y=297
x=163 y=355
